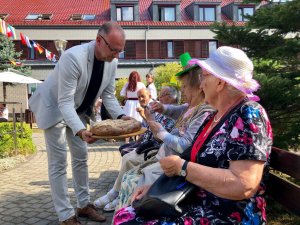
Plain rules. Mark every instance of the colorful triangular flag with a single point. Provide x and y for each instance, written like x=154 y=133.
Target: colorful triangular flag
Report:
x=11 y=32
x=37 y=47
x=25 y=40
x=3 y=28
x=49 y=55
x=16 y=63
x=54 y=58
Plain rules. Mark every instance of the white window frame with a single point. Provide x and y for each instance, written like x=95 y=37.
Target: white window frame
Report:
x=120 y=13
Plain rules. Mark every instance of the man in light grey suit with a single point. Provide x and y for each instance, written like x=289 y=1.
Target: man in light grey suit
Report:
x=61 y=105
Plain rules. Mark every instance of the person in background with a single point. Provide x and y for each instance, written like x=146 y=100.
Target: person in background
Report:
x=229 y=160
x=151 y=86
x=129 y=91
x=97 y=109
x=62 y=105
x=110 y=200
x=3 y=113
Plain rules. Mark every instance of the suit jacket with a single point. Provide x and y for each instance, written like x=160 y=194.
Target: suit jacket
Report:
x=63 y=91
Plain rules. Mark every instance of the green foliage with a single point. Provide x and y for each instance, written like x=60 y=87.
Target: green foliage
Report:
x=25 y=145
x=269 y=40
x=8 y=53
x=119 y=85
x=164 y=74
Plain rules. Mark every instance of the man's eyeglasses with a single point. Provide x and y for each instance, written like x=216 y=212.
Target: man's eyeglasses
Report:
x=110 y=48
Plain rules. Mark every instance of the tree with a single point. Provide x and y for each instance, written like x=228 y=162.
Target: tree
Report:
x=165 y=74
x=8 y=55
x=270 y=39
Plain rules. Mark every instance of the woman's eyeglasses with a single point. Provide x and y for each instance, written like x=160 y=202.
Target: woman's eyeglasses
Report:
x=110 y=48
x=164 y=94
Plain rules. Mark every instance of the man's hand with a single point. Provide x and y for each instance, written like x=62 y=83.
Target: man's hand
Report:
x=86 y=136
x=141 y=111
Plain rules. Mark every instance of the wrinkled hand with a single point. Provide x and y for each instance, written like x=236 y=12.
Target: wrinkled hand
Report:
x=86 y=136
x=171 y=165
x=154 y=127
x=157 y=106
x=149 y=116
x=140 y=192
x=126 y=118
x=141 y=111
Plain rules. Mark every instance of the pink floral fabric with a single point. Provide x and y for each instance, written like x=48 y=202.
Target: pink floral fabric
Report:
x=245 y=134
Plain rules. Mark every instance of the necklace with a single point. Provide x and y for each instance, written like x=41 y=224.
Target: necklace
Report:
x=217 y=120
x=231 y=107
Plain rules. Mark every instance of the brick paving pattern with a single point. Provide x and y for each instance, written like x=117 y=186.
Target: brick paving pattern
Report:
x=25 y=197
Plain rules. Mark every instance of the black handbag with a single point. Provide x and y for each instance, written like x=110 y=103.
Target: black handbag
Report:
x=164 y=198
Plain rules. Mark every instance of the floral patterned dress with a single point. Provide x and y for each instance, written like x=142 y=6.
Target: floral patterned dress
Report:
x=244 y=134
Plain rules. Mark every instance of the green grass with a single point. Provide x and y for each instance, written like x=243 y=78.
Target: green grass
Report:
x=277 y=215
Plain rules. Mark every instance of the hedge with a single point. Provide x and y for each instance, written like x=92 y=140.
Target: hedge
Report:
x=25 y=144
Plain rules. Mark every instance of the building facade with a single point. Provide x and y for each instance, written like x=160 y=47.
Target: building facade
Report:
x=157 y=31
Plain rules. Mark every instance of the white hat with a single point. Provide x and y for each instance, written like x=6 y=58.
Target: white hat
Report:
x=233 y=66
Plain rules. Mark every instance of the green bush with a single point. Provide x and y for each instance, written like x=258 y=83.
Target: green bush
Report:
x=25 y=145
x=119 y=85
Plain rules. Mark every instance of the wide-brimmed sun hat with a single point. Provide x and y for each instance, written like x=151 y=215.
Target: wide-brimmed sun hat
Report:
x=184 y=60
x=231 y=65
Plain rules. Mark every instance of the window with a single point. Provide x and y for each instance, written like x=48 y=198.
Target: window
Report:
x=38 y=17
x=122 y=55
x=82 y=17
x=88 y=17
x=3 y=16
x=242 y=12
x=125 y=13
x=212 y=46
x=32 y=17
x=207 y=13
x=170 y=49
x=167 y=14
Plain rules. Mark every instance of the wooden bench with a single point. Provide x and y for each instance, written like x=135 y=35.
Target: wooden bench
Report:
x=281 y=190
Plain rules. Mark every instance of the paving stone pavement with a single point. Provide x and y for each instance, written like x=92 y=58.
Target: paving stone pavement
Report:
x=25 y=197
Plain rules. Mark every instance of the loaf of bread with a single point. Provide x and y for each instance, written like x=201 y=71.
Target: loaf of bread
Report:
x=115 y=127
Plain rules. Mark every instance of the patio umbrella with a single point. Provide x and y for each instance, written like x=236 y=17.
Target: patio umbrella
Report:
x=11 y=77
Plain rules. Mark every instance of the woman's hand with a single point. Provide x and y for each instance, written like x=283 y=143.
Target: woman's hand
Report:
x=154 y=126
x=140 y=192
x=156 y=106
x=171 y=165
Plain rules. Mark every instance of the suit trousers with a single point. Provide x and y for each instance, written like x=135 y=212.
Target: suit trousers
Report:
x=57 y=137
x=129 y=160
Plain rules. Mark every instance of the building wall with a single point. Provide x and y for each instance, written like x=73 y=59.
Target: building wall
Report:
x=131 y=34
x=16 y=93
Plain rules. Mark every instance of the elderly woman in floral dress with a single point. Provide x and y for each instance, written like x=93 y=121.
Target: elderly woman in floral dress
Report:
x=229 y=157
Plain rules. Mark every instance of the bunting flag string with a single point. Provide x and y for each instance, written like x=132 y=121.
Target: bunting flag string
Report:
x=10 y=32
x=37 y=47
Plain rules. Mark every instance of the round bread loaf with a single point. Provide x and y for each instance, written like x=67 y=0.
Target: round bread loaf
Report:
x=115 y=127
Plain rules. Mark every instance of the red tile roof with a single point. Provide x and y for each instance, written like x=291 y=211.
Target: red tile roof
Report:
x=63 y=9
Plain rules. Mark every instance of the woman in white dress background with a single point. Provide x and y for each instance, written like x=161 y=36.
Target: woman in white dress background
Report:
x=129 y=91
x=150 y=85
